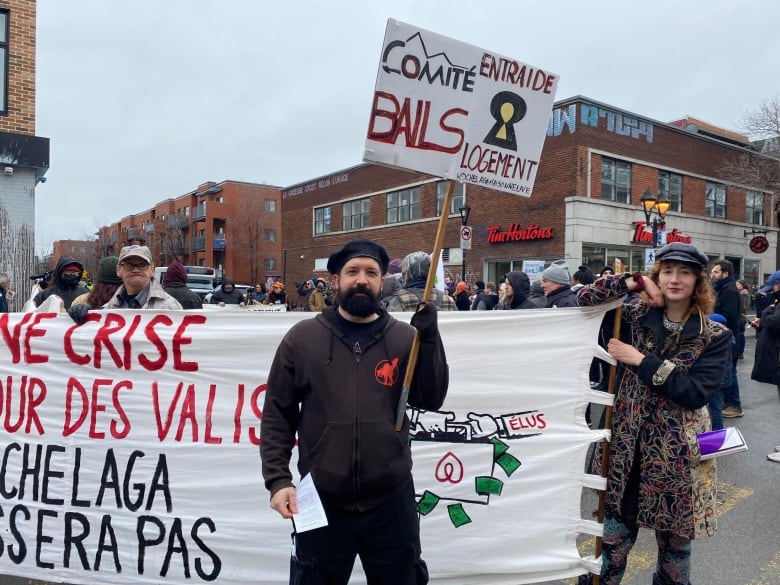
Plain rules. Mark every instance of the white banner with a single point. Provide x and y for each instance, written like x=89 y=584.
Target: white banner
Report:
x=458 y=111
x=130 y=447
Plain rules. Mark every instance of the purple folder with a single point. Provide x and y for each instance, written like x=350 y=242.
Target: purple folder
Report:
x=721 y=442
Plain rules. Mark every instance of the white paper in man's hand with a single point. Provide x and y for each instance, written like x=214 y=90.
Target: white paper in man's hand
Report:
x=310 y=514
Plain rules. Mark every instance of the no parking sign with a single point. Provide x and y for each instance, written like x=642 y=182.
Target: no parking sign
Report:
x=465 y=237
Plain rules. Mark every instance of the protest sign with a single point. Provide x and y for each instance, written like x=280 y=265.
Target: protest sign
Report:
x=130 y=447
x=458 y=111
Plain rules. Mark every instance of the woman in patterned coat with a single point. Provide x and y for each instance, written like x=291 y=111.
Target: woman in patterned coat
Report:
x=671 y=362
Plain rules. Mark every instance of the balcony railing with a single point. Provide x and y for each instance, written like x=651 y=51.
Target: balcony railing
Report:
x=178 y=221
x=199 y=213
x=199 y=244
x=220 y=243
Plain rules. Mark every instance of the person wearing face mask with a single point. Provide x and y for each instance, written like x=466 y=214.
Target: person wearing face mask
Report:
x=67 y=282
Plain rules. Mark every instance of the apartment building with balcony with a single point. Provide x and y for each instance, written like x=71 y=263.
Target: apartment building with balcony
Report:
x=232 y=226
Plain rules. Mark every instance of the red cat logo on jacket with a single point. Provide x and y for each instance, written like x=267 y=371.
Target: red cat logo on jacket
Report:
x=386 y=372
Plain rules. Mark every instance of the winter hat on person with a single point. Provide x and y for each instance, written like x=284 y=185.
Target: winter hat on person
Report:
x=771 y=281
x=395 y=266
x=480 y=284
x=358 y=249
x=717 y=317
x=107 y=270
x=175 y=273
x=72 y=267
x=415 y=266
x=682 y=253
x=134 y=251
x=557 y=272
x=278 y=284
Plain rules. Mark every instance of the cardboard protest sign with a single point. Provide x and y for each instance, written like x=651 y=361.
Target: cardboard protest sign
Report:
x=458 y=111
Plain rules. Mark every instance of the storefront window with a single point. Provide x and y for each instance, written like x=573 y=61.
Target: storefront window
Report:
x=751 y=274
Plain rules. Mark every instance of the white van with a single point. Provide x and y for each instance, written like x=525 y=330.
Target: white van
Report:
x=200 y=279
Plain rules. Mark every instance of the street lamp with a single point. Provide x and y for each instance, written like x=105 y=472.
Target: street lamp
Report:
x=655 y=206
x=464 y=221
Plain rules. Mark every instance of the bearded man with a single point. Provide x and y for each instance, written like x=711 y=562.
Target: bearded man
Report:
x=336 y=381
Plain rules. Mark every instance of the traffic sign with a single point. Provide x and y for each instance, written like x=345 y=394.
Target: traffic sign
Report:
x=465 y=237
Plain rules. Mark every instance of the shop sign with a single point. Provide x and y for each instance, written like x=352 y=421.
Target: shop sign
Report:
x=517 y=234
x=643 y=236
x=759 y=245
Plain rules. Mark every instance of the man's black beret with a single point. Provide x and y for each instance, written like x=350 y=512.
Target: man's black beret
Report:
x=355 y=249
x=682 y=253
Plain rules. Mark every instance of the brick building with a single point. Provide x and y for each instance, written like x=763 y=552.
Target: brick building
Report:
x=24 y=157
x=596 y=164
x=231 y=226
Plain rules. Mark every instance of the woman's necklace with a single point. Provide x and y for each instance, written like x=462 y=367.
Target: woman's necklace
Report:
x=672 y=326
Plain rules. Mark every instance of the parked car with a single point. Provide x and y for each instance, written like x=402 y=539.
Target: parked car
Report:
x=242 y=288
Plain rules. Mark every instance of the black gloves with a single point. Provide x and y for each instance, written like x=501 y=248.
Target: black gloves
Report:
x=425 y=320
x=78 y=312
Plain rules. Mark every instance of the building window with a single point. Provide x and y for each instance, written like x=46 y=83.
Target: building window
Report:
x=458 y=197
x=270 y=205
x=715 y=205
x=670 y=185
x=355 y=214
x=322 y=220
x=4 y=61
x=269 y=235
x=754 y=207
x=615 y=180
x=270 y=264
x=403 y=205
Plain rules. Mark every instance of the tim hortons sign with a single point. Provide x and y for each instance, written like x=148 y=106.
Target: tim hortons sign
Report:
x=516 y=234
x=643 y=236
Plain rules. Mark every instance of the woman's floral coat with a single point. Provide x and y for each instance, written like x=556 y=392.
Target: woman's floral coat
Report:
x=659 y=424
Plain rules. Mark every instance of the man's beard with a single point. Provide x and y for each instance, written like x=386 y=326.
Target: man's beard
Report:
x=360 y=301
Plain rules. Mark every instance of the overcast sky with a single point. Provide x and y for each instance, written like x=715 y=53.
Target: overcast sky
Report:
x=146 y=99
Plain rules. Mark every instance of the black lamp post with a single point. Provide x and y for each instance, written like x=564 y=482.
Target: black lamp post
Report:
x=464 y=221
x=657 y=206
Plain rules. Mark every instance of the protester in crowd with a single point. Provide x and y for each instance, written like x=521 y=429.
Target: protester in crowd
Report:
x=277 y=296
x=487 y=299
x=317 y=296
x=108 y=282
x=462 y=296
x=606 y=271
x=669 y=369
x=67 y=282
x=414 y=273
x=727 y=303
x=536 y=294
x=715 y=405
x=304 y=290
x=449 y=285
x=227 y=294
x=392 y=282
x=139 y=289
x=175 y=284
x=5 y=292
x=766 y=367
x=764 y=297
x=480 y=288
x=517 y=287
x=344 y=426
x=745 y=301
x=258 y=294
x=502 y=293
x=583 y=276
x=556 y=283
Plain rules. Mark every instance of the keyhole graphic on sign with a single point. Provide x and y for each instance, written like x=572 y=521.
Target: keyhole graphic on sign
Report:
x=449 y=469
x=507 y=109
